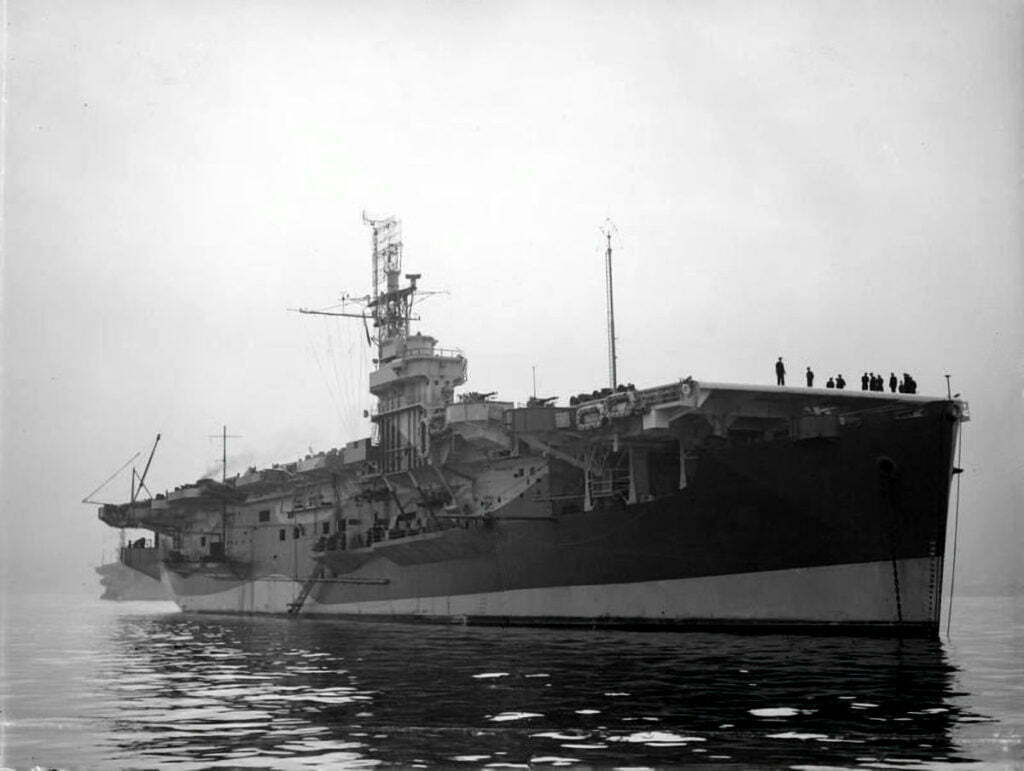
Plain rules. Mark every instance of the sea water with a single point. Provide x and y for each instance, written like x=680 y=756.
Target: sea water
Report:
x=91 y=684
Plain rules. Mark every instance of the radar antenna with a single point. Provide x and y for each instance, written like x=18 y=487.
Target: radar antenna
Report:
x=391 y=305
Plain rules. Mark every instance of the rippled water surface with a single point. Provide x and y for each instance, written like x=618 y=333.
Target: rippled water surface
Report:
x=137 y=685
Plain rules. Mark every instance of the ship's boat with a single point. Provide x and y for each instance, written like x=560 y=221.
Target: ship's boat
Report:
x=689 y=504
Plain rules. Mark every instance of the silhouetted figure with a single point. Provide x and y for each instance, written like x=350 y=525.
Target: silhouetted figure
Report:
x=864 y=382
x=780 y=372
x=830 y=384
x=810 y=377
x=840 y=383
x=892 y=382
x=911 y=384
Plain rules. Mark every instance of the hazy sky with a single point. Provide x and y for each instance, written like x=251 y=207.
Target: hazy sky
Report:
x=839 y=183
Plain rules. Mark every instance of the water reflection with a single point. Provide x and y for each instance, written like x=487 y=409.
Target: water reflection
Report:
x=202 y=691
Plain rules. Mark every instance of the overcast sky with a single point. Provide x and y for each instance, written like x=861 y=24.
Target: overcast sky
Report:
x=838 y=183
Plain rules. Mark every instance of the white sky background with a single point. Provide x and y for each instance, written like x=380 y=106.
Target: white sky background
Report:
x=839 y=183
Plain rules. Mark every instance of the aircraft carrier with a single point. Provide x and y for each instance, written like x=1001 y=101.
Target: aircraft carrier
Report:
x=689 y=504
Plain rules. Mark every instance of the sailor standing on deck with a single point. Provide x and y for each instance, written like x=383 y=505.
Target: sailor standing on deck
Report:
x=780 y=372
x=810 y=377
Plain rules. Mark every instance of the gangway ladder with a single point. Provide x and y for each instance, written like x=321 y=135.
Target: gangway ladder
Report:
x=296 y=606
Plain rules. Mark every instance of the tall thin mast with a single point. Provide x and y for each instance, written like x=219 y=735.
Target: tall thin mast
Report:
x=223 y=436
x=613 y=379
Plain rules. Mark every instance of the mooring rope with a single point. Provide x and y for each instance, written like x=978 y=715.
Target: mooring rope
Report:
x=893 y=542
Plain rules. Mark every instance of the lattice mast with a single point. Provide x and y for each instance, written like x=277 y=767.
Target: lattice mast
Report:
x=607 y=230
x=390 y=305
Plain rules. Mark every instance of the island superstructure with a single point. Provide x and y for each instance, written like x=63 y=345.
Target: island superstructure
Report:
x=689 y=504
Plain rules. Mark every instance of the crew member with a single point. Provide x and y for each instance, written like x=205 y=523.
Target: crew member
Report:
x=864 y=382
x=840 y=383
x=893 y=382
x=810 y=378
x=780 y=372
x=830 y=384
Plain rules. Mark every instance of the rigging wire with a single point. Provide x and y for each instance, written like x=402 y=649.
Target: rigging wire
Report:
x=332 y=356
x=956 y=526
x=353 y=377
x=88 y=498
x=323 y=374
x=358 y=359
x=344 y=374
x=349 y=387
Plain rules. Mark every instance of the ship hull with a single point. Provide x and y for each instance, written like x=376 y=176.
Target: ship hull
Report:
x=846 y=534
x=847 y=598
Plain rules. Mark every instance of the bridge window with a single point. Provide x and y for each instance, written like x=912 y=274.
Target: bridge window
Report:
x=280 y=534
x=326 y=528
x=265 y=515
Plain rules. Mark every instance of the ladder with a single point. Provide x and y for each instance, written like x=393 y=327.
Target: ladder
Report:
x=296 y=606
